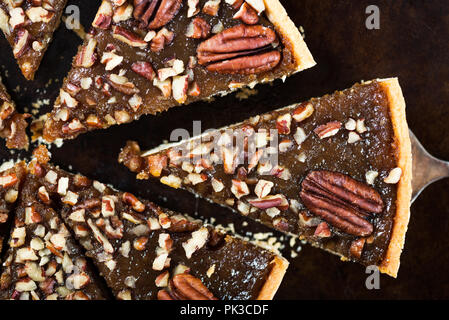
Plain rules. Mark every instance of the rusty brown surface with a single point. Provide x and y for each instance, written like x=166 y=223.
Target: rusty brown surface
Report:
x=411 y=44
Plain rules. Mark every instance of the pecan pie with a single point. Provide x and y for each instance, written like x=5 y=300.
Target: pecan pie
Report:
x=28 y=25
x=336 y=171
x=10 y=184
x=12 y=124
x=43 y=261
x=146 y=56
x=141 y=250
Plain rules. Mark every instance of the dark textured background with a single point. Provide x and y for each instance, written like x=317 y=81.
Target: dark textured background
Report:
x=412 y=43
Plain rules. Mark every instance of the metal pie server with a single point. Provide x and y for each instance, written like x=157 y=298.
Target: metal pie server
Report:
x=426 y=168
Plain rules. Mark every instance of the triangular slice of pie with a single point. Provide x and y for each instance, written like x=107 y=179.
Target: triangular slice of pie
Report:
x=146 y=252
x=43 y=261
x=12 y=124
x=335 y=171
x=146 y=56
x=28 y=25
x=10 y=186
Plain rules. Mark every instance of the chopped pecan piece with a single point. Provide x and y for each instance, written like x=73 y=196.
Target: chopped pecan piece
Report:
x=144 y=69
x=132 y=200
x=394 y=176
x=269 y=202
x=161 y=39
x=87 y=56
x=303 y=111
x=283 y=123
x=322 y=231
x=328 y=130
x=241 y=49
x=122 y=84
x=211 y=7
x=247 y=14
x=281 y=224
x=128 y=37
x=343 y=202
x=8 y=180
x=156 y=164
x=235 y=3
x=193 y=8
x=198 y=28
x=186 y=287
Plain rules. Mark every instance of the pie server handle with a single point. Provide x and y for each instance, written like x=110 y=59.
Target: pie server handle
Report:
x=426 y=168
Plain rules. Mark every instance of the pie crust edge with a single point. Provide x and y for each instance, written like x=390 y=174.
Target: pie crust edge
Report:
x=278 y=16
x=390 y=263
x=274 y=279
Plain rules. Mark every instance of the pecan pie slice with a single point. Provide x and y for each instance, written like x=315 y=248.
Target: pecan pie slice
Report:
x=12 y=124
x=146 y=56
x=146 y=252
x=28 y=25
x=10 y=185
x=336 y=171
x=43 y=261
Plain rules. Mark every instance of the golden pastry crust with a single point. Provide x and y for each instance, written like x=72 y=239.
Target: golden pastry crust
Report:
x=286 y=28
x=274 y=280
x=391 y=261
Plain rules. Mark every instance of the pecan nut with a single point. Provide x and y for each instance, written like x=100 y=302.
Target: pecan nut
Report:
x=186 y=287
x=240 y=50
x=22 y=43
x=130 y=157
x=198 y=29
x=247 y=14
x=328 y=130
x=183 y=225
x=154 y=14
x=343 y=202
x=356 y=247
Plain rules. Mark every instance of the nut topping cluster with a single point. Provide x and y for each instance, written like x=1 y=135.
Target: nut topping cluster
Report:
x=113 y=79
x=43 y=261
x=114 y=228
x=10 y=181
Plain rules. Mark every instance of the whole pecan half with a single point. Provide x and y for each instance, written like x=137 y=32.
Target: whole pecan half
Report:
x=186 y=287
x=241 y=49
x=216 y=239
x=343 y=202
x=154 y=14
